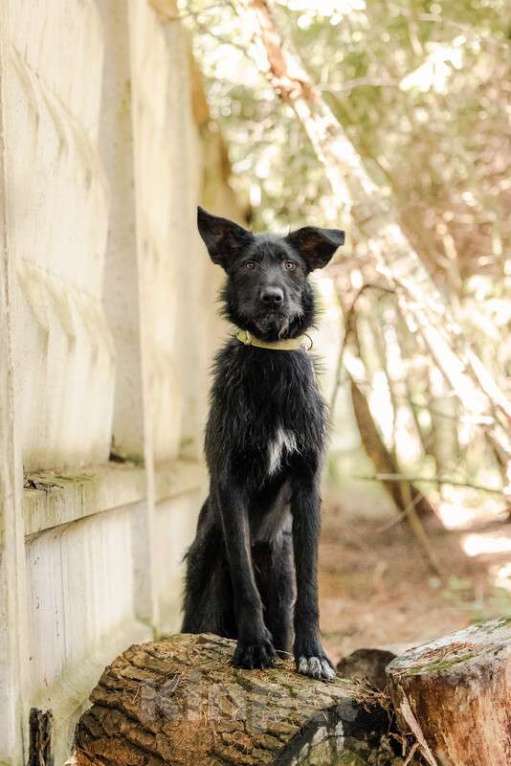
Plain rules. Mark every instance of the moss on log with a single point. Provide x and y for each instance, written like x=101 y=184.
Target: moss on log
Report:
x=454 y=696
x=180 y=702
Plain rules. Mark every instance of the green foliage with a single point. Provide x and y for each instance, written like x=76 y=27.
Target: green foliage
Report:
x=422 y=89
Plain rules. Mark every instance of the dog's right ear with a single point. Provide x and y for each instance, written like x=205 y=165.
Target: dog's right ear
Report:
x=223 y=238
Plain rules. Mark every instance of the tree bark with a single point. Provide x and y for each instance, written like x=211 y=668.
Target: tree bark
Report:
x=180 y=702
x=376 y=218
x=453 y=695
x=40 y=743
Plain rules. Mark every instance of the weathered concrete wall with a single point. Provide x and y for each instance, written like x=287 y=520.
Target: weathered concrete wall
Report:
x=57 y=213
x=13 y=648
x=107 y=328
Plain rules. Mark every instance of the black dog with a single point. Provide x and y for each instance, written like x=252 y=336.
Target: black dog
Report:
x=254 y=556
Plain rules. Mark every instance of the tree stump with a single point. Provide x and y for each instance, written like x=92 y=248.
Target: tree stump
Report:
x=454 y=695
x=180 y=702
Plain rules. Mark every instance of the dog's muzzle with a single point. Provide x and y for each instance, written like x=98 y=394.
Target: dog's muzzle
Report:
x=274 y=323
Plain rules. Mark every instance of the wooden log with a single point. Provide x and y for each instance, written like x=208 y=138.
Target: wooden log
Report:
x=180 y=702
x=454 y=696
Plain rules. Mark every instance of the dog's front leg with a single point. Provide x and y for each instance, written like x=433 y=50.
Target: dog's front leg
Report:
x=310 y=656
x=255 y=648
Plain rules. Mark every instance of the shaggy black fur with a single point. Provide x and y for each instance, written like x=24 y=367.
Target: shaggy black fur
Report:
x=253 y=562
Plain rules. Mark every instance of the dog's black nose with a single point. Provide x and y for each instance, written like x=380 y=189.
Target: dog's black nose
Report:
x=272 y=296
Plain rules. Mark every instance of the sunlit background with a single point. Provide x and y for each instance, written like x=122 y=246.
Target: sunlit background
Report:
x=421 y=89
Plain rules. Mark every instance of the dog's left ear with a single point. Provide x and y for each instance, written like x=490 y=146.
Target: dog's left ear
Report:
x=316 y=246
x=223 y=238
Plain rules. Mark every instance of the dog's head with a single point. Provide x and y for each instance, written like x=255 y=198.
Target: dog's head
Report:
x=268 y=292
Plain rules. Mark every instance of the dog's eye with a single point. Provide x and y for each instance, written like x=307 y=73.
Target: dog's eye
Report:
x=249 y=265
x=289 y=265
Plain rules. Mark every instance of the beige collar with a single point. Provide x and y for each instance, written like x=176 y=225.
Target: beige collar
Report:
x=303 y=342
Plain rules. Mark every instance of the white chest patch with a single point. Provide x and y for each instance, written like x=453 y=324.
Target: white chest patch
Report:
x=283 y=440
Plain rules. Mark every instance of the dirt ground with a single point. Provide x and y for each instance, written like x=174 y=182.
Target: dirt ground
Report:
x=376 y=589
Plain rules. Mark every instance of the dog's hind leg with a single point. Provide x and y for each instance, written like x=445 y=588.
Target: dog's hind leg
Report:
x=275 y=576
x=208 y=594
x=213 y=611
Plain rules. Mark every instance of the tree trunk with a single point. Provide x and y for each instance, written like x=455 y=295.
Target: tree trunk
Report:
x=377 y=220
x=180 y=702
x=383 y=461
x=404 y=494
x=454 y=696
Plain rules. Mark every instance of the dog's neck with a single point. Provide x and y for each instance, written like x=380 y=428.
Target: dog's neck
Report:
x=302 y=342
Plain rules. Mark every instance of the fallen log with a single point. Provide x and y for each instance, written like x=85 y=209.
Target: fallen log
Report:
x=180 y=702
x=454 y=696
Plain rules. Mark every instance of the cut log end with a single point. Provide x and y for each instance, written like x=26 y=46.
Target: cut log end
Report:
x=181 y=702
x=453 y=696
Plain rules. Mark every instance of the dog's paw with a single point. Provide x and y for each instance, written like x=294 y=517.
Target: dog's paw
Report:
x=254 y=655
x=318 y=667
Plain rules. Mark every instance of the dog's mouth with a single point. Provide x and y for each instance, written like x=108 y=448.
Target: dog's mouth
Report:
x=273 y=323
